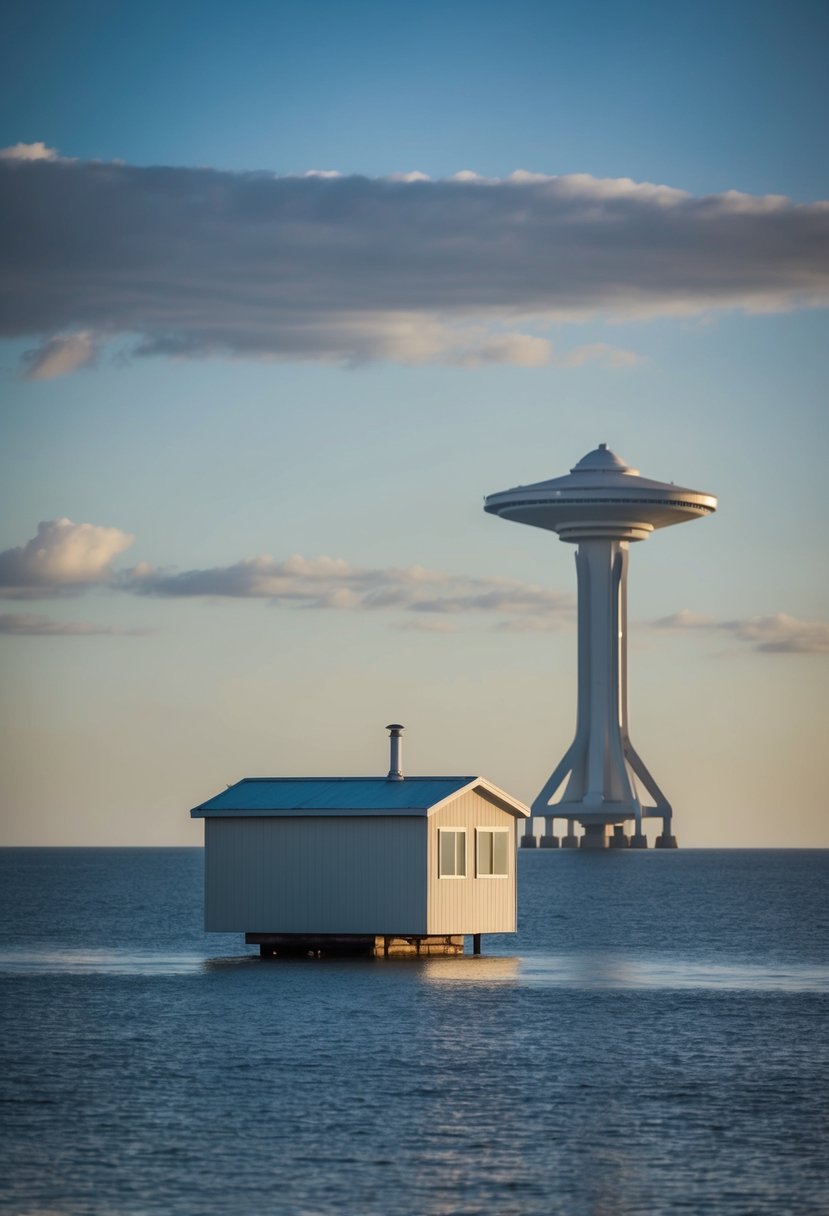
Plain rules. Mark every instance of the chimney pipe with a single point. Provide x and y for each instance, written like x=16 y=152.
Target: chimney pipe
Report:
x=396 y=752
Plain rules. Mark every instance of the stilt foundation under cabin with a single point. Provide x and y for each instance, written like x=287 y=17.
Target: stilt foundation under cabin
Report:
x=304 y=945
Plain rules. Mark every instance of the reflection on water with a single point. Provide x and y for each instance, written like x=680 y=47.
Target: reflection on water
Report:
x=585 y=970
x=98 y=962
x=471 y=970
x=615 y=971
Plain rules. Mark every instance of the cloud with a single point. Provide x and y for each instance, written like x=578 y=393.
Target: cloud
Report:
x=32 y=624
x=464 y=271
x=69 y=557
x=332 y=583
x=58 y=355
x=66 y=557
x=422 y=624
x=778 y=634
x=782 y=634
x=528 y=624
x=685 y=619
x=62 y=556
x=36 y=151
x=599 y=352
x=496 y=595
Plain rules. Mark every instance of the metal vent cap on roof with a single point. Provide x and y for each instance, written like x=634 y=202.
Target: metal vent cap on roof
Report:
x=395 y=730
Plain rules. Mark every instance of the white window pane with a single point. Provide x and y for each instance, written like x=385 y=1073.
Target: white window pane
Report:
x=447 y=853
x=460 y=859
x=484 y=852
x=500 y=853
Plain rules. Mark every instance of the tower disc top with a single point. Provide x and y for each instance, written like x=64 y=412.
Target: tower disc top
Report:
x=601 y=496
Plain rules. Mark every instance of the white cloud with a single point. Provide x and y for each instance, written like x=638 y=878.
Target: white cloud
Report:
x=528 y=624
x=69 y=557
x=782 y=634
x=598 y=352
x=521 y=349
x=59 y=355
x=685 y=619
x=424 y=624
x=777 y=634
x=35 y=151
x=414 y=176
x=464 y=271
x=32 y=624
x=63 y=555
x=331 y=583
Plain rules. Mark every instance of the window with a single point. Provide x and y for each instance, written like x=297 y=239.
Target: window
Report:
x=451 y=853
x=493 y=852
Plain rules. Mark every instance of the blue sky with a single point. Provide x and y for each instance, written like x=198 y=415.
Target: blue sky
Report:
x=707 y=97
x=452 y=339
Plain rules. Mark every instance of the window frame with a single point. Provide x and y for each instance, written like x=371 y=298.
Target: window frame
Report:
x=455 y=831
x=479 y=831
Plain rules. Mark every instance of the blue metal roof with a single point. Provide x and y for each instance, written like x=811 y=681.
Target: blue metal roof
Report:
x=337 y=795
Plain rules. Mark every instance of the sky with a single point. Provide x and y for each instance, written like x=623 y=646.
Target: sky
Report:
x=287 y=288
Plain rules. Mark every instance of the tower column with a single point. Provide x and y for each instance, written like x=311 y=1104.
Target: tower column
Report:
x=602 y=581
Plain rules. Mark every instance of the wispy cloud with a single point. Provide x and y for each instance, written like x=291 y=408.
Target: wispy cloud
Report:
x=777 y=634
x=782 y=634
x=60 y=355
x=32 y=624
x=528 y=624
x=465 y=271
x=63 y=556
x=66 y=557
x=424 y=624
x=332 y=583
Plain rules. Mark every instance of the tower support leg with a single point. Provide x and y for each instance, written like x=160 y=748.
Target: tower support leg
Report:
x=571 y=840
x=595 y=836
x=548 y=840
x=528 y=840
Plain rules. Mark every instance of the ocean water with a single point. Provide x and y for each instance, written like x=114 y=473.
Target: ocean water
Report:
x=654 y=1040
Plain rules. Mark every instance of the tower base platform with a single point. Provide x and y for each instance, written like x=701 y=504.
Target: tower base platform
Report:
x=599 y=836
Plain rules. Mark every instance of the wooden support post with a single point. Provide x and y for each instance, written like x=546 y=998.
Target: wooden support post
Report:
x=476 y=943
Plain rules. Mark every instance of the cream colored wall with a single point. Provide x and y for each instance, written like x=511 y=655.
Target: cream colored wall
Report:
x=471 y=904
x=346 y=875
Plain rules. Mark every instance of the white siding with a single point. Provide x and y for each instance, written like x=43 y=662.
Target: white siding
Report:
x=343 y=875
x=471 y=904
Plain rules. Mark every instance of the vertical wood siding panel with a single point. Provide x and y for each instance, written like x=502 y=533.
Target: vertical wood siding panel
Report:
x=345 y=875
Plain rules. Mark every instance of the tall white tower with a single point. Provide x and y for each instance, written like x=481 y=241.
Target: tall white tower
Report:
x=601 y=506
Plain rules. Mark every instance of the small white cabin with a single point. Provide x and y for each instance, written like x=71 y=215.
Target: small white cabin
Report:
x=360 y=864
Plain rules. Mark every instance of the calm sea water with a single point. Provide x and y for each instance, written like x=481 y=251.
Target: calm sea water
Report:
x=654 y=1040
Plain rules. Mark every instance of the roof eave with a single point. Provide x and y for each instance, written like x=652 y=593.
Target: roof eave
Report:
x=492 y=792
